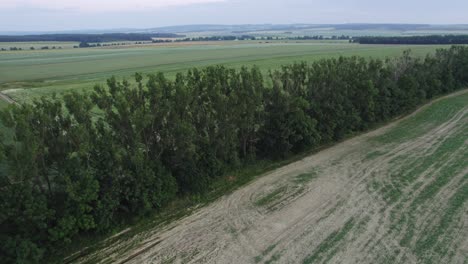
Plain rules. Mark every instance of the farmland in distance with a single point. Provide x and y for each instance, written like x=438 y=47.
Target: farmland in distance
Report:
x=29 y=74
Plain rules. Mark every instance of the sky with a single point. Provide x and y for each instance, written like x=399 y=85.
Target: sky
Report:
x=56 y=15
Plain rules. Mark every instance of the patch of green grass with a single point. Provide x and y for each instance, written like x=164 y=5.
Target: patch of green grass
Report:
x=417 y=185
x=411 y=166
x=438 y=180
x=332 y=210
x=305 y=177
x=427 y=119
x=427 y=173
x=447 y=172
x=329 y=243
x=374 y=185
x=231 y=230
x=444 y=177
x=392 y=191
x=374 y=154
x=169 y=261
x=272 y=196
x=273 y=258
x=409 y=234
x=432 y=239
x=259 y=258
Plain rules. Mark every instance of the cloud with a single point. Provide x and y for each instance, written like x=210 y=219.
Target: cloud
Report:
x=100 y=5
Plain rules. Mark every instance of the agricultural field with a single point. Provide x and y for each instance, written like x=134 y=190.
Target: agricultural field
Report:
x=28 y=74
x=395 y=195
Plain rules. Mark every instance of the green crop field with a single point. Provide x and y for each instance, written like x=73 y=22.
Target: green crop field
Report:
x=28 y=74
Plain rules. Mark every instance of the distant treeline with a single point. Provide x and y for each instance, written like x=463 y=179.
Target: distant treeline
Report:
x=93 y=45
x=89 y=37
x=421 y=40
x=81 y=45
x=66 y=171
x=342 y=37
x=30 y=48
x=218 y=38
x=249 y=37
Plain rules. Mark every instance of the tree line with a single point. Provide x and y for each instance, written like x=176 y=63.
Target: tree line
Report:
x=94 y=45
x=107 y=37
x=30 y=48
x=320 y=37
x=250 y=37
x=217 y=38
x=415 y=40
x=80 y=163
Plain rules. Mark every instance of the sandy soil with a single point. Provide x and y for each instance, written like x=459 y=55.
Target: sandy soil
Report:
x=338 y=215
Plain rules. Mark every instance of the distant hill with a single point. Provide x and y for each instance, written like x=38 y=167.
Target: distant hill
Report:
x=409 y=29
x=265 y=27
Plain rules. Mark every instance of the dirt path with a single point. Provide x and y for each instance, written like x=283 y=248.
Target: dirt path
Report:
x=7 y=98
x=361 y=201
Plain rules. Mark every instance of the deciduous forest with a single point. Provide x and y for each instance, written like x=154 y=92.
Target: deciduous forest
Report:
x=415 y=40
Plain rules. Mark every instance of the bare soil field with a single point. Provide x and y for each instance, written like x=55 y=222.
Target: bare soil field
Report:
x=395 y=195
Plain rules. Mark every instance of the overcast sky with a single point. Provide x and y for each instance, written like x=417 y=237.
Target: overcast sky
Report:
x=44 y=15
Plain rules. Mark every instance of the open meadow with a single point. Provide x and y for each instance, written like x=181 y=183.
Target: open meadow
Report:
x=28 y=74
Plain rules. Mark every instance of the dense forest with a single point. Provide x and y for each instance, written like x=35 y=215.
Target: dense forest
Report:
x=94 y=38
x=415 y=40
x=79 y=164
